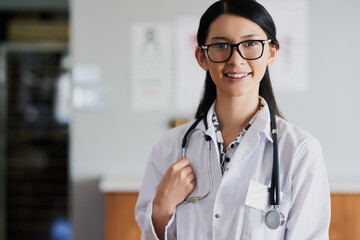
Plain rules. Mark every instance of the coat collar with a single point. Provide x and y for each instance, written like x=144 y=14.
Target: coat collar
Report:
x=211 y=129
x=261 y=124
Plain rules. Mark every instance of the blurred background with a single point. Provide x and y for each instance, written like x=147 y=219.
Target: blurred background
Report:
x=87 y=87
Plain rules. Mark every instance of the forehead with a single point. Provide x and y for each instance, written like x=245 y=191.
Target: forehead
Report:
x=234 y=28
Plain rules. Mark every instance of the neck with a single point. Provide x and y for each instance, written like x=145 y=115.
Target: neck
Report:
x=235 y=112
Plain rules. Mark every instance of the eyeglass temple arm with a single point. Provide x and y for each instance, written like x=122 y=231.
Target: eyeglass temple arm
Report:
x=206 y=47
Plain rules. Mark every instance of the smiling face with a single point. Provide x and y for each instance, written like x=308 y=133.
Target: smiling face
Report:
x=237 y=76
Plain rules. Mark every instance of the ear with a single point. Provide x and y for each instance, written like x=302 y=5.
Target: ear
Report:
x=273 y=55
x=201 y=58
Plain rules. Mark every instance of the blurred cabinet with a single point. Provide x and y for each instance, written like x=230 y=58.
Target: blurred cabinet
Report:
x=11 y=5
x=35 y=144
x=120 y=218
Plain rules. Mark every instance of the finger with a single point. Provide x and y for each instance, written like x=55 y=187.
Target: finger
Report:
x=184 y=173
x=191 y=177
x=192 y=181
x=178 y=165
x=187 y=169
x=181 y=163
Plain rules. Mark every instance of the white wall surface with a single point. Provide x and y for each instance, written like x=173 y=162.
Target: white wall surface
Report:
x=117 y=140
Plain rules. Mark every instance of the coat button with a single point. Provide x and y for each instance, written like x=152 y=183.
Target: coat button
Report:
x=217 y=215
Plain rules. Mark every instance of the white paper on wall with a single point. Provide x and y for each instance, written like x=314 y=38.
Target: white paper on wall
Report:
x=151 y=66
x=88 y=91
x=90 y=98
x=86 y=74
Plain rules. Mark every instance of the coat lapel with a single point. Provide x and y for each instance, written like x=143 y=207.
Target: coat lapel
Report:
x=248 y=145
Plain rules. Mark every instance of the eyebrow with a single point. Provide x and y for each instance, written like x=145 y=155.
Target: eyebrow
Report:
x=227 y=39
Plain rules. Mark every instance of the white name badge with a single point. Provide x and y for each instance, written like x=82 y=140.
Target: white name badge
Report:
x=258 y=196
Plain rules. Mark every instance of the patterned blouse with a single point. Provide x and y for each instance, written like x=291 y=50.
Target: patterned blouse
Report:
x=226 y=155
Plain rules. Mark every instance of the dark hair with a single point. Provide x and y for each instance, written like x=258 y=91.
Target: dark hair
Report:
x=256 y=13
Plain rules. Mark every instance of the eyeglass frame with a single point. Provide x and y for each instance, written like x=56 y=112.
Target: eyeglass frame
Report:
x=263 y=42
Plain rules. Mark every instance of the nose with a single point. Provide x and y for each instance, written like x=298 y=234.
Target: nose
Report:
x=236 y=58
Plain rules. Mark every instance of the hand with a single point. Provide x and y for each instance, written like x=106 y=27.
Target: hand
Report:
x=176 y=184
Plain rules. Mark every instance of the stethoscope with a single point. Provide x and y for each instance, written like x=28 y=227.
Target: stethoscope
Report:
x=273 y=217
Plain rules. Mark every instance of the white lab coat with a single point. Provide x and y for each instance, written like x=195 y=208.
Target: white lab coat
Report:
x=223 y=214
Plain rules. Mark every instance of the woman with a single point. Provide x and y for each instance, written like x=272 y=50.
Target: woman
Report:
x=229 y=156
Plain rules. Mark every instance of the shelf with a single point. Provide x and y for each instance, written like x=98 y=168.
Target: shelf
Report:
x=46 y=47
x=37 y=5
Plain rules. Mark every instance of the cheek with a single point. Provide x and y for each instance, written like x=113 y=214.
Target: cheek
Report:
x=259 y=69
x=215 y=69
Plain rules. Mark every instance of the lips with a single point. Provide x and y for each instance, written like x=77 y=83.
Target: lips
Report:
x=237 y=75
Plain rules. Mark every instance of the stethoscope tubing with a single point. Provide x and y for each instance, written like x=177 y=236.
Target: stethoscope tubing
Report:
x=275 y=181
x=198 y=198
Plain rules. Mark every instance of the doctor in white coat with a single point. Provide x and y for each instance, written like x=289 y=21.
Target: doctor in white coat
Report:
x=229 y=154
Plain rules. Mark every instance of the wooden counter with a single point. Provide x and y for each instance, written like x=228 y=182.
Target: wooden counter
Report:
x=345 y=216
x=120 y=214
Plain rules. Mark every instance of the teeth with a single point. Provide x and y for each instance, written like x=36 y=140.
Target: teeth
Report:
x=237 y=75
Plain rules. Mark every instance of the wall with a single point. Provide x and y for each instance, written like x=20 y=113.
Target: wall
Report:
x=117 y=140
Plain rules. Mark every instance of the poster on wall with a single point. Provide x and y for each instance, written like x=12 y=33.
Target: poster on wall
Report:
x=189 y=76
x=290 y=72
x=151 y=66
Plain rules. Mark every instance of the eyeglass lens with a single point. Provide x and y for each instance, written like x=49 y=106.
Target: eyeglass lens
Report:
x=222 y=51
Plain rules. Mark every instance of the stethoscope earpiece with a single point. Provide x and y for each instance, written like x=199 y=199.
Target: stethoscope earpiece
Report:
x=274 y=218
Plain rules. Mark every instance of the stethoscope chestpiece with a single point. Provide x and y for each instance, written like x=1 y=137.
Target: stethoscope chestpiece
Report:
x=274 y=218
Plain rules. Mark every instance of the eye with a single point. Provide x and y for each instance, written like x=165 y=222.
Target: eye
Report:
x=251 y=43
x=220 y=46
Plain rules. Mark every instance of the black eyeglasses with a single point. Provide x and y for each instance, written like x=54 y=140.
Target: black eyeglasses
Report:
x=249 y=50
